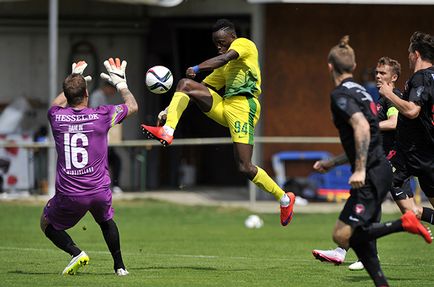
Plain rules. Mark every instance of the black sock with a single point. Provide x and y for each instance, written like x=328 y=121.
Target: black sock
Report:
x=62 y=240
x=367 y=253
x=111 y=236
x=428 y=215
x=375 y=230
x=373 y=243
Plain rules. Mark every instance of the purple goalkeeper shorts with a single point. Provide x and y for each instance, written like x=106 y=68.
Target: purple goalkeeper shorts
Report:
x=64 y=212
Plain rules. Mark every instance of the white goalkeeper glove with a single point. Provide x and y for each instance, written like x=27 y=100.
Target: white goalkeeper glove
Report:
x=116 y=73
x=78 y=68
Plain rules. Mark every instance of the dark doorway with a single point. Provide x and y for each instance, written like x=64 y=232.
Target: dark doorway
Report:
x=187 y=43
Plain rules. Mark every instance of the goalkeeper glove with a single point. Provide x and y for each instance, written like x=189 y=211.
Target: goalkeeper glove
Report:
x=116 y=73
x=78 y=68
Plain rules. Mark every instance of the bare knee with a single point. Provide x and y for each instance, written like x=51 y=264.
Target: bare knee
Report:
x=185 y=85
x=342 y=234
x=247 y=169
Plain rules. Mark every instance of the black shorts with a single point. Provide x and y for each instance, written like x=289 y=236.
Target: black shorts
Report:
x=401 y=186
x=364 y=204
x=414 y=163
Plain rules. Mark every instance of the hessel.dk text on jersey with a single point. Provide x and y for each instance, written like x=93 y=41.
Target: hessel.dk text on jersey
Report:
x=75 y=118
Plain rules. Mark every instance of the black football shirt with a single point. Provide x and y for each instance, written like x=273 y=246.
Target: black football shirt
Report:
x=383 y=105
x=347 y=99
x=418 y=133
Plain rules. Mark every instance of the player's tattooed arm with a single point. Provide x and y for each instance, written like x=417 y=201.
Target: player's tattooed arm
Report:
x=325 y=165
x=362 y=138
x=60 y=100
x=129 y=101
x=339 y=159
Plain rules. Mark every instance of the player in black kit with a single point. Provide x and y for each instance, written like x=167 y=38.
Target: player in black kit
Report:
x=415 y=131
x=354 y=115
x=387 y=71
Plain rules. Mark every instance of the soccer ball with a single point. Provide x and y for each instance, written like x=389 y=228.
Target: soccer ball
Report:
x=159 y=79
x=254 y=221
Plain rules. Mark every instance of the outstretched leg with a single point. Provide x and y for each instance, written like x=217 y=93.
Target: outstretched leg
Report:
x=59 y=237
x=63 y=241
x=243 y=155
x=111 y=235
x=403 y=195
x=367 y=254
x=185 y=90
x=427 y=185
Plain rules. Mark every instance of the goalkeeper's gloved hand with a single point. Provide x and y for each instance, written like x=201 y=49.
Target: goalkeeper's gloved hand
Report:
x=78 y=68
x=116 y=73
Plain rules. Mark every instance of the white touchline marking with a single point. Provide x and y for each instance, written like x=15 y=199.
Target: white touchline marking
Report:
x=12 y=248
x=138 y=253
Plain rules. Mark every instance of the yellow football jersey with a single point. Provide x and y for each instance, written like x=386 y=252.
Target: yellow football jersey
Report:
x=241 y=76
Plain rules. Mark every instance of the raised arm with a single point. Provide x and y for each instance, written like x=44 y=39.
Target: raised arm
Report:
x=117 y=77
x=212 y=64
x=60 y=100
x=77 y=68
x=406 y=108
x=325 y=165
x=129 y=101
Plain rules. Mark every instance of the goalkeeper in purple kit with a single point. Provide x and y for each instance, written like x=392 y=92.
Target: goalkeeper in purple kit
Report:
x=82 y=174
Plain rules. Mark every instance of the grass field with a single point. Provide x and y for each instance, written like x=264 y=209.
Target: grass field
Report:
x=172 y=245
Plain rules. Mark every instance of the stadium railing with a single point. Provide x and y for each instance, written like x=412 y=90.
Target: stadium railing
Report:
x=40 y=155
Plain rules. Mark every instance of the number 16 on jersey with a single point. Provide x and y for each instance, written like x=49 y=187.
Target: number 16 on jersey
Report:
x=74 y=154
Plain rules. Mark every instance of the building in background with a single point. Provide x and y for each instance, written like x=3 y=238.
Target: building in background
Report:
x=293 y=41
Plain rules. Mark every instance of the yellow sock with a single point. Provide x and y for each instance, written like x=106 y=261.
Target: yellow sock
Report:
x=265 y=182
x=177 y=106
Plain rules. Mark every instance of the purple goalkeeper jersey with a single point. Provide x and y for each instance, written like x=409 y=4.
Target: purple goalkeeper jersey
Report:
x=81 y=145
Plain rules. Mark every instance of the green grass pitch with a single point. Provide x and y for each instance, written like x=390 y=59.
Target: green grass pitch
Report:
x=173 y=245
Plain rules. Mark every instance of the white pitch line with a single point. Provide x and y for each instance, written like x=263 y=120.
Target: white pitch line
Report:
x=192 y=256
x=11 y=248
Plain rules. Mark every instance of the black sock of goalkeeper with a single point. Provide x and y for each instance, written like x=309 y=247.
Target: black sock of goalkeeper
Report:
x=367 y=253
x=62 y=240
x=375 y=230
x=111 y=236
x=428 y=215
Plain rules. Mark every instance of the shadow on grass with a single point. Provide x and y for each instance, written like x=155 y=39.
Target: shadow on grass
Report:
x=186 y=268
x=20 y=272
x=365 y=278
x=32 y=273
x=175 y=267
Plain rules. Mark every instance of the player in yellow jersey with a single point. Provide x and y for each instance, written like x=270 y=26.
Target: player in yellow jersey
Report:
x=236 y=68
